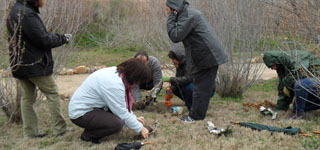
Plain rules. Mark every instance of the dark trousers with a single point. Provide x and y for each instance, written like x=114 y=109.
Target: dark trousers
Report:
x=99 y=123
x=185 y=94
x=203 y=85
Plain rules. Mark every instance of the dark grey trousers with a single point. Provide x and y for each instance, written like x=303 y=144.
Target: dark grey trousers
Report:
x=99 y=123
x=203 y=85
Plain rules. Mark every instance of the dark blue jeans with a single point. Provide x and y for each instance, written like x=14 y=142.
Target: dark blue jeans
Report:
x=186 y=96
x=306 y=89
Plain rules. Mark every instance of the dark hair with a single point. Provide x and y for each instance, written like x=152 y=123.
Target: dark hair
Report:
x=172 y=55
x=135 y=71
x=141 y=53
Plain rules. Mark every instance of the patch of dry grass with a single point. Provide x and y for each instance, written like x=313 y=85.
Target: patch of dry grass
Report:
x=172 y=134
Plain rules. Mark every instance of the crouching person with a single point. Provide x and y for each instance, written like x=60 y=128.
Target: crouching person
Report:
x=103 y=103
x=181 y=84
x=294 y=82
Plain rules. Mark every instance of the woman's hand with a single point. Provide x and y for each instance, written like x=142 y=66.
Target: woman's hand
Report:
x=141 y=119
x=145 y=133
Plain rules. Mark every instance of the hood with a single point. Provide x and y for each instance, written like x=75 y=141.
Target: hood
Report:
x=176 y=4
x=179 y=51
x=28 y=1
x=31 y=4
x=32 y=1
x=271 y=58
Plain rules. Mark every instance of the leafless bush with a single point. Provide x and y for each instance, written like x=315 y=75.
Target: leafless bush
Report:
x=296 y=18
x=242 y=33
x=297 y=23
x=240 y=25
x=133 y=22
x=59 y=16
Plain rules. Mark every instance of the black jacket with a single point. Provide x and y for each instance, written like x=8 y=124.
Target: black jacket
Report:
x=31 y=56
x=203 y=48
x=183 y=76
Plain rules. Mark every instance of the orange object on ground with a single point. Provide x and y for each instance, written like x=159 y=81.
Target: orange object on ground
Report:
x=316 y=132
x=306 y=135
x=168 y=96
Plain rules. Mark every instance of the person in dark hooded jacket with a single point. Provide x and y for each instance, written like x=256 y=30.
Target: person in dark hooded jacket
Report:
x=294 y=81
x=31 y=62
x=204 y=52
x=181 y=84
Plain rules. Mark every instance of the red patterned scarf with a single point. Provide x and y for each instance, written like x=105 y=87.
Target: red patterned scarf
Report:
x=129 y=93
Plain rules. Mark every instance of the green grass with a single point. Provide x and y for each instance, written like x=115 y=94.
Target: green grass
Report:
x=3 y=119
x=265 y=86
x=44 y=144
x=6 y=147
x=92 y=40
x=4 y=61
x=311 y=143
x=216 y=98
x=102 y=56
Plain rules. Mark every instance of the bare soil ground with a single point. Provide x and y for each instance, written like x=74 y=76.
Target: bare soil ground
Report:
x=172 y=134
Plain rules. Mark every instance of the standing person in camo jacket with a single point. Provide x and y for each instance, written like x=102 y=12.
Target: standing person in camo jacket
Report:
x=32 y=64
x=204 y=52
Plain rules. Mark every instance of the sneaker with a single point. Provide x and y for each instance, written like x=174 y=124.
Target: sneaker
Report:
x=187 y=119
x=296 y=116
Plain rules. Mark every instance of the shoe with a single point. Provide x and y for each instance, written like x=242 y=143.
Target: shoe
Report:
x=40 y=135
x=187 y=119
x=69 y=129
x=296 y=116
x=88 y=139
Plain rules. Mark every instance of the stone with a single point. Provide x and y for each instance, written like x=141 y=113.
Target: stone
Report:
x=103 y=66
x=64 y=96
x=1 y=71
x=88 y=70
x=63 y=71
x=94 y=69
x=4 y=74
x=81 y=70
x=58 y=71
x=70 y=72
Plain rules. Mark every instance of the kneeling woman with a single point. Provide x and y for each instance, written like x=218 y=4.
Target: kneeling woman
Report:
x=103 y=103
